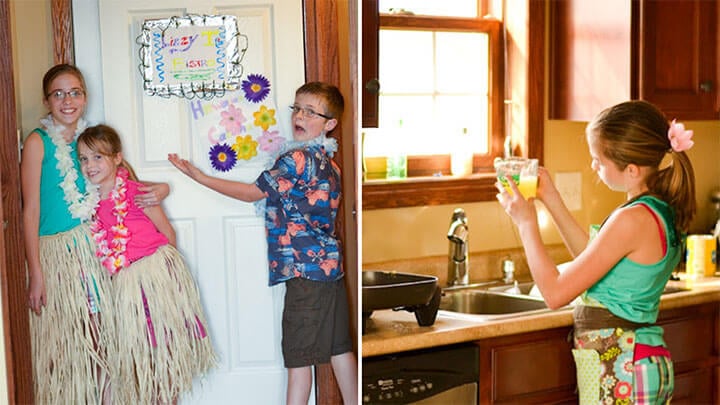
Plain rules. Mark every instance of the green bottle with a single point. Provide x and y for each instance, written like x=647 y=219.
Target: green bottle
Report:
x=396 y=160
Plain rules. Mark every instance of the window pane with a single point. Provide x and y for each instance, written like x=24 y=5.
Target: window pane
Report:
x=411 y=111
x=428 y=125
x=450 y=8
x=433 y=89
x=462 y=62
x=406 y=61
x=460 y=113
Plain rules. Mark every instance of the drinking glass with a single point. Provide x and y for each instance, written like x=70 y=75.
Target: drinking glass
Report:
x=524 y=172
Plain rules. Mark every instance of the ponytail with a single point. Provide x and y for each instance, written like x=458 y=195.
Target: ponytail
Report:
x=675 y=185
x=131 y=172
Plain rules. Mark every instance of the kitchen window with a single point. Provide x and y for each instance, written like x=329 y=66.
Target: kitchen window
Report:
x=437 y=95
x=434 y=85
x=441 y=93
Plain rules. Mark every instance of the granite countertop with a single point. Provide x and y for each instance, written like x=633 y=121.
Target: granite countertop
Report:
x=389 y=331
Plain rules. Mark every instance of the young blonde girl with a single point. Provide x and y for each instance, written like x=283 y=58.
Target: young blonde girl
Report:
x=161 y=342
x=621 y=272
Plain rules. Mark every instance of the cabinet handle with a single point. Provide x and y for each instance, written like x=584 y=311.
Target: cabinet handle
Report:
x=373 y=86
x=706 y=86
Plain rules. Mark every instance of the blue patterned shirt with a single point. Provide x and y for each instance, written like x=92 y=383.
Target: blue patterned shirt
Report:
x=303 y=197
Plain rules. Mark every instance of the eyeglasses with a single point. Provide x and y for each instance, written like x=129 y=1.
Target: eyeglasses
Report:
x=60 y=95
x=308 y=112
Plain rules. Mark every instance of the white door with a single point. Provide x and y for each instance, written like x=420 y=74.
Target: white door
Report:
x=222 y=239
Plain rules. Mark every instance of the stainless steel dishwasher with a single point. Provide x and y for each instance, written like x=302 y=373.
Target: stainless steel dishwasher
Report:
x=443 y=375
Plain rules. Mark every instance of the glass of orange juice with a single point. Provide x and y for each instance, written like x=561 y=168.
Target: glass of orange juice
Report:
x=524 y=172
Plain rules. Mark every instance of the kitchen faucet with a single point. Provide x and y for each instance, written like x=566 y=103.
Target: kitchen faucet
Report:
x=458 y=251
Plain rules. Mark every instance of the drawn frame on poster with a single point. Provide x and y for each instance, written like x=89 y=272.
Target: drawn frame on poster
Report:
x=191 y=56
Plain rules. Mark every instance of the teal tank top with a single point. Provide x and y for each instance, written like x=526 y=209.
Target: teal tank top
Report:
x=631 y=290
x=54 y=211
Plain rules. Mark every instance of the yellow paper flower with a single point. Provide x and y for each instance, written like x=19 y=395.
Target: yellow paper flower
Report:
x=245 y=147
x=264 y=118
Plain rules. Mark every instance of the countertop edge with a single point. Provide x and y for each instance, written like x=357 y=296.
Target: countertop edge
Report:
x=396 y=331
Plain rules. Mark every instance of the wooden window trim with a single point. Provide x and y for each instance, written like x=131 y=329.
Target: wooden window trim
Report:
x=429 y=165
x=526 y=67
x=423 y=191
x=425 y=168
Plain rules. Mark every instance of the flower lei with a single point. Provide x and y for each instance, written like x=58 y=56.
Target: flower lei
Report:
x=680 y=138
x=329 y=144
x=80 y=206
x=112 y=255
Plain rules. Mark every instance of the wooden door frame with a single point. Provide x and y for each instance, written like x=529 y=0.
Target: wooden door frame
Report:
x=16 y=328
x=321 y=63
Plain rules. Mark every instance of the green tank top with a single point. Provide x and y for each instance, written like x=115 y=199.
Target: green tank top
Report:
x=631 y=290
x=54 y=211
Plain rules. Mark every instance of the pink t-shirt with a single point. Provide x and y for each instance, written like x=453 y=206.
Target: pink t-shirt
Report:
x=144 y=237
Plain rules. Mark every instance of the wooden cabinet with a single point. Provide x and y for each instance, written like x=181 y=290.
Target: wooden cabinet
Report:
x=534 y=367
x=662 y=51
x=693 y=337
x=369 y=85
x=538 y=367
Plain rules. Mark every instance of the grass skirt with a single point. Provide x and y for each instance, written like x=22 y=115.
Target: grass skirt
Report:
x=68 y=340
x=163 y=344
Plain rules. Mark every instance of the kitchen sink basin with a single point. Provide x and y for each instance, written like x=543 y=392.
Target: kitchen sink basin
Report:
x=527 y=287
x=522 y=288
x=502 y=301
x=484 y=302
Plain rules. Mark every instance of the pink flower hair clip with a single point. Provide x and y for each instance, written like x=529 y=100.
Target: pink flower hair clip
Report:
x=680 y=138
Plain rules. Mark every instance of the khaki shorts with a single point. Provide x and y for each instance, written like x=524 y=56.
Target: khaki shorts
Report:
x=315 y=322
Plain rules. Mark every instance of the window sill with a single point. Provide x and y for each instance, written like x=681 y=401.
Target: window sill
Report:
x=421 y=191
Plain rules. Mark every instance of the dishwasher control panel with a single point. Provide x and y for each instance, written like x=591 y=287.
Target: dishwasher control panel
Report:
x=407 y=377
x=397 y=390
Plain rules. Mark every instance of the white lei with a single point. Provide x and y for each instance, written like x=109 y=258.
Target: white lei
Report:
x=329 y=144
x=81 y=206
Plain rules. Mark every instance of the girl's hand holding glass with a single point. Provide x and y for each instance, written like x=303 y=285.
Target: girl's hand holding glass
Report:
x=545 y=187
x=513 y=202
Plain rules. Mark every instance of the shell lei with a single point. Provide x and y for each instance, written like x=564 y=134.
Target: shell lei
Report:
x=81 y=206
x=112 y=256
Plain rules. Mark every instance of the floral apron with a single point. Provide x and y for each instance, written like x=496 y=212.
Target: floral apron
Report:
x=607 y=370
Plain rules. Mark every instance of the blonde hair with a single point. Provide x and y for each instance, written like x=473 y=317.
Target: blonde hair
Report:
x=636 y=132
x=105 y=140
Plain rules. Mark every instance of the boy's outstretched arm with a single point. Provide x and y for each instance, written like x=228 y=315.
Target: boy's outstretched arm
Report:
x=235 y=189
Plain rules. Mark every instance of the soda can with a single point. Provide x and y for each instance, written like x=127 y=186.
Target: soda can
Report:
x=701 y=257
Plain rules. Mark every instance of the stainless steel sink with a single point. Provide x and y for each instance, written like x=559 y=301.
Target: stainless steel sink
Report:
x=493 y=301
x=526 y=287
x=522 y=288
x=484 y=302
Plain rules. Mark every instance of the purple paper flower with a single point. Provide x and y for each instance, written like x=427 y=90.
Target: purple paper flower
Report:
x=222 y=157
x=256 y=87
x=271 y=141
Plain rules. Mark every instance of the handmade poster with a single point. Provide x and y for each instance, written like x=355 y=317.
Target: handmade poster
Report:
x=240 y=129
x=191 y=56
